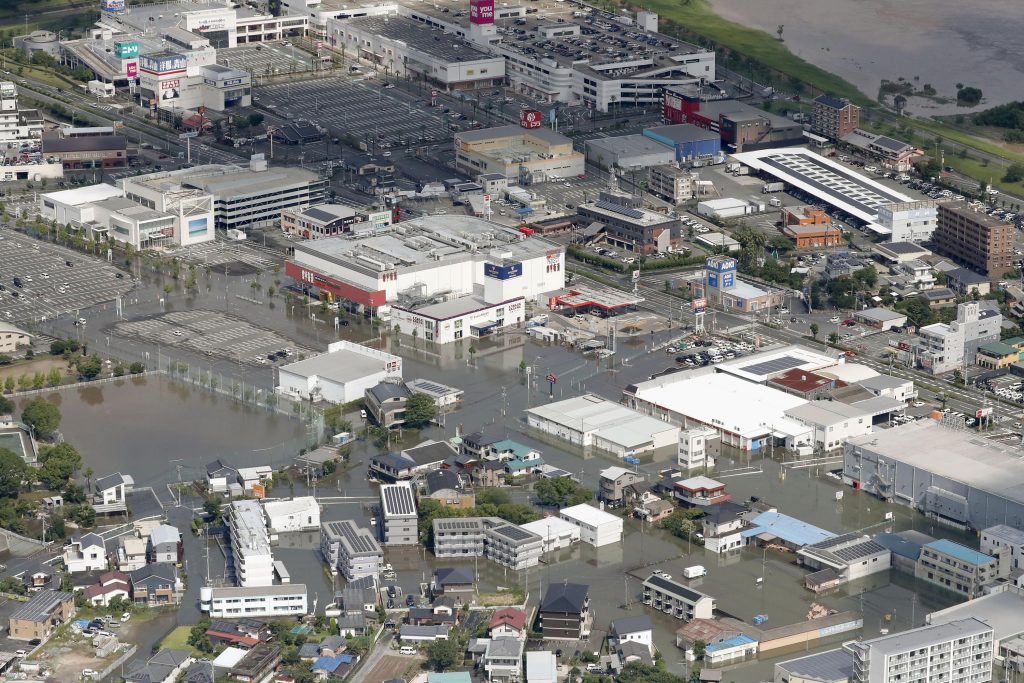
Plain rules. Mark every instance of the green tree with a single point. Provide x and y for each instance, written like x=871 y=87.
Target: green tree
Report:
x=335 y=421
x=198 y=639
x=136 y=368
x=6 y=406
x=9 y=385
x=833 y=338
x=42 y=417
x=59 y=463
x=89 y=366
x=1014 y=173
x=420 y=410
x=255 y=119
x=5 y=359
x=814 y=330
x=12 y=473
x=53 y=377
x=561 y=492
x=442 y=654
x=699 y=650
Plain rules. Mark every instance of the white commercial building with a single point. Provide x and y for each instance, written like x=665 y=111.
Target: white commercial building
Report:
x=724 y=208
x=297 y=514
x=953 y=652
x=250 y=545
x=943 y=347
x=557 y=533
x=1002 y=538
x=14 y=168
x=833 y=422
x=746 y=415
x=17 y=124
x=590 y=420
x=765 y=365
x=544 y=61
x=264 y=601
x=432 y=260
x=341 y=375
x=597 y=527
x=912 y=221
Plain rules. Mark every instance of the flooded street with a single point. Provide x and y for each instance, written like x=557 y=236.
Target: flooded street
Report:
x=941 y=42
x=149 y=424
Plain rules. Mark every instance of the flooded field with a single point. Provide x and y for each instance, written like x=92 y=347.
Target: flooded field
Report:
x=940 y=42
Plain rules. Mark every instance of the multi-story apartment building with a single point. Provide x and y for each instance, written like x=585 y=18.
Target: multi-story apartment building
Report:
x=999 y=539
x=974 y=239
x=628 y=225
x=266 y=601
x=682 y=602
x=565 y=611
x=954 y=652
x=489 y=537
x=942 y=347
x=834 y=117
x=350 y=549
x=959 y=568
x=250 y=544
x=673 y=184
x=398 y=523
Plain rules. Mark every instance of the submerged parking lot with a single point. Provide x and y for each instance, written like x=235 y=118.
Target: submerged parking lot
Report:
x=50 y=287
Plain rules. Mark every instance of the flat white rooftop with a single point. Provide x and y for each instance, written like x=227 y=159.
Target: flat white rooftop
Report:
x=724 y=401
x=551 y=527
x=760 y=367
x=588 y=514
x=824 y=179
x=612 y=422
x=85 y=195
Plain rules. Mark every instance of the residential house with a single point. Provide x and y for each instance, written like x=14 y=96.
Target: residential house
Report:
x=652 y=508
x=447 y=487
x=449 y=580
x=37 y=576
x=335 y=667
x=156 y=584
x=249 y=477
x=87 y=553
x=476 y=445
x=632 y=651
x=965 y=282
x=565 y=611
x=199 y=671
x=508 y=622
x=219 y=476
x=632 y=629
x=333 y=645
x=386 y=402
x=131 y=553
x=41 y=615
x=700 y=491
x=442 y=610
x=163 y=667
x=721 y=526
x=244 y=633
x=110 y=585
x=258 y=664
x=110 y=493
x=420 y=459
x=165 y=545
x=503 y=660
x=410 y=633
x=489 y=474
x=613 y=481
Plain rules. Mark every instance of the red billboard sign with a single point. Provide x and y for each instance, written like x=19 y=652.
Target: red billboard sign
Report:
x=481 y=11
x=530 y=118
x=131 y=69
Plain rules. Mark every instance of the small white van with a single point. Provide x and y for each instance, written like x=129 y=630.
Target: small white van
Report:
x=406 y=650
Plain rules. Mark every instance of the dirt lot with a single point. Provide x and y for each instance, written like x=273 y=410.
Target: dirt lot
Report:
x=30 y=368
x=68 y=653
x=393 y=666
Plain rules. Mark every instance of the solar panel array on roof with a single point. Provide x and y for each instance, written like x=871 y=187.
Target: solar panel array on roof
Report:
x=430 y=386
x=398 y=500
x=513 y=532
x=890 y=143
x=834 y=541
x=320 y=214
x=855 y=552
x=773 y=365
x=358 y=539
x=618 y=208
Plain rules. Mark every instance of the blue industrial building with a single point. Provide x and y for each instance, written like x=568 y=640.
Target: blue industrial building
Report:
x=689 y=141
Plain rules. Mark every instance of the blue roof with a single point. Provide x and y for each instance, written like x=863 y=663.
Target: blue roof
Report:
x=789 y=529
x=899 y=545
x=736 y=641
x=332 y=663
x=960 y=552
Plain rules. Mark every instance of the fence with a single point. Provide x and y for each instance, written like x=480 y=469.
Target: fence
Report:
x=128 y=654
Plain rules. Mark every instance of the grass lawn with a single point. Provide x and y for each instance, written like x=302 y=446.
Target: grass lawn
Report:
x=178 y=640
x=698 y=17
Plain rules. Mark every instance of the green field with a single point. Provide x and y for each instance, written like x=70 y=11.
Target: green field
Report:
x=698 y=17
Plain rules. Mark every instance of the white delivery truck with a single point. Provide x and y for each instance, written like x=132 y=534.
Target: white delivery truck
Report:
x=695 y=572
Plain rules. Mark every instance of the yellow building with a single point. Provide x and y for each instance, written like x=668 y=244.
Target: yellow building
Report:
x=523 y=155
